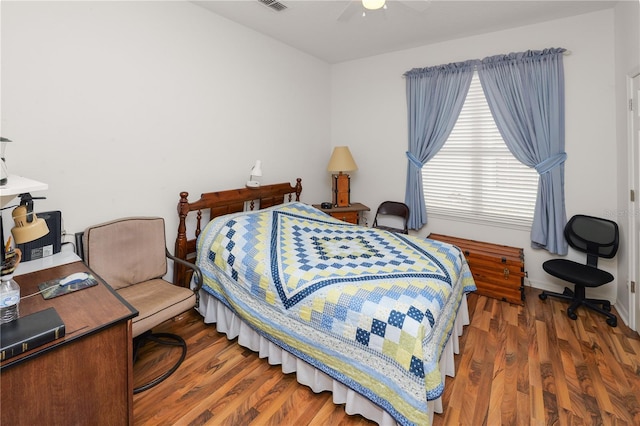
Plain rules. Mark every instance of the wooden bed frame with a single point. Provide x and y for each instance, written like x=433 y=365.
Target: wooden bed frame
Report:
x=218 y=204
x=211 y=205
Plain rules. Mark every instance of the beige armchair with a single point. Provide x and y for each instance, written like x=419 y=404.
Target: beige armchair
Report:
x=130 y=255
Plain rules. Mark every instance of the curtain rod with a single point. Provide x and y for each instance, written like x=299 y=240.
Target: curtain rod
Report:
x=565 y=52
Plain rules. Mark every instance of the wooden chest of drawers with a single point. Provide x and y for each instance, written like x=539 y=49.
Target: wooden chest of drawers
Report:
x=497 y=270
x=351 y=217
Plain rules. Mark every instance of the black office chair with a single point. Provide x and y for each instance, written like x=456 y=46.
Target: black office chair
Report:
x=597 y=238
x=392 y=212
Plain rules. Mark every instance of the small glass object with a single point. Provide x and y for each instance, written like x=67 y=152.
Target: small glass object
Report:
x=9 y=288
x=4 y=173
x=9 y=299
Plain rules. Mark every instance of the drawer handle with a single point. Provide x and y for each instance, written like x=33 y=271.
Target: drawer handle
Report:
x=506 y=273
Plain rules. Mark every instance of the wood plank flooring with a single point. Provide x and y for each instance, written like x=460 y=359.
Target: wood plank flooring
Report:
x=519 y=365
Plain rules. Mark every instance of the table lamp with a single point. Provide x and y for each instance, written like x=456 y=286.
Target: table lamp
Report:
x=341 y=161
x=255 y=172
x=28 y=227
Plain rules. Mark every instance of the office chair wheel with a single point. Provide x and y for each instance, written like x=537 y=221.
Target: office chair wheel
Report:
x=613 y=322
x=606 y=307
x=542 y=296
x=572 y=314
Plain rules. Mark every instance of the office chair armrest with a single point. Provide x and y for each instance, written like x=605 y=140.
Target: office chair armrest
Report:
x=196 y=271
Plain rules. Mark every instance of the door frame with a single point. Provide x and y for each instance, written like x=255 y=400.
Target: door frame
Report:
x=633 y=247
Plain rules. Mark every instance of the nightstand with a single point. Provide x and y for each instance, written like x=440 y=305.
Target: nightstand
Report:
x=351 y=214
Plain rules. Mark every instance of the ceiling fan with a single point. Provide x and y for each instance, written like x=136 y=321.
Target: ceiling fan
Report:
x=363 y=6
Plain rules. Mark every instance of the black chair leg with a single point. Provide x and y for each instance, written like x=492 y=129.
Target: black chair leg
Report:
x=612 y=320
x=578 y=298
x=606 y=305
x=162 y=339
x=566 y=295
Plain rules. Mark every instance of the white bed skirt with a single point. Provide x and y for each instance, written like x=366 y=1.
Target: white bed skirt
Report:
x=227 y=322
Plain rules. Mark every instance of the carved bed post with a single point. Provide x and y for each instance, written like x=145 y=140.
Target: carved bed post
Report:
x=298 y=188
x=181 y=240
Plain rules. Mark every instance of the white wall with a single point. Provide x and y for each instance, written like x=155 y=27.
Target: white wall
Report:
x=119 y=106
x=369 y=114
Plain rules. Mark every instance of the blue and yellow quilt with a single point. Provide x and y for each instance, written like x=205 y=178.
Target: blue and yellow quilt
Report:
x=371 y=308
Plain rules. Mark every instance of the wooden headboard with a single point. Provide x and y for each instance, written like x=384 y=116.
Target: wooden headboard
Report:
x=218 y=204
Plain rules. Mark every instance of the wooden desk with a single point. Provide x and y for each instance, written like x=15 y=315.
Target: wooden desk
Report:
x=84 y=377
x=351 y=214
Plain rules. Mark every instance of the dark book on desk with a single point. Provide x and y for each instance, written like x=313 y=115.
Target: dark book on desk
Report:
x=30 y=331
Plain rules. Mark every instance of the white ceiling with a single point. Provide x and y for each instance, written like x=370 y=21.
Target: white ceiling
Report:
x=335 y=30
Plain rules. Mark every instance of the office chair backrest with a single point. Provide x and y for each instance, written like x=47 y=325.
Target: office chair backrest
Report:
x=393 y=208
x=592 y=235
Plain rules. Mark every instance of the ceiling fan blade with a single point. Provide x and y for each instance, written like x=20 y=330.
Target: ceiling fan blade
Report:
x=348 y=12
x=416 y=5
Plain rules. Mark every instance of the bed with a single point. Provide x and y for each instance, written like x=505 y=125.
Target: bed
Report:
x=370 y=315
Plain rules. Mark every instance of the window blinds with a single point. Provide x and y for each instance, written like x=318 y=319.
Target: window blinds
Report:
x=474 y=175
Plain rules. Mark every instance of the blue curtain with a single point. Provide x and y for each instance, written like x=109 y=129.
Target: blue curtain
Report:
x=525 y=92
x=435 y=96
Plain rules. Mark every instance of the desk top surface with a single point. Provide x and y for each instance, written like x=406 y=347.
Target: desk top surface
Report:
x=83 y=312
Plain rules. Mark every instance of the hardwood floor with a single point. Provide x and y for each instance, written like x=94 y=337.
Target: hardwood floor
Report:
x=519 y=365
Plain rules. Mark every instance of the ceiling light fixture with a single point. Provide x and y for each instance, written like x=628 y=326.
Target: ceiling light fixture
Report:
x=373 y=4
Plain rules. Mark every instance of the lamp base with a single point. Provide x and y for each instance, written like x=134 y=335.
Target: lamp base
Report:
x=341 y=190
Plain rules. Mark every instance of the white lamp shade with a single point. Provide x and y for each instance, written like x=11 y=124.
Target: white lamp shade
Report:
x=257 y=169
x=341 y=160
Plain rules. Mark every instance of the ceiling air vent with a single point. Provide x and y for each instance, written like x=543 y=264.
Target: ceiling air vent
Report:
x=273 y=4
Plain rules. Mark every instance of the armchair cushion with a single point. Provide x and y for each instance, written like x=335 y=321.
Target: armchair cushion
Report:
x=156 y=301
x=143 y=259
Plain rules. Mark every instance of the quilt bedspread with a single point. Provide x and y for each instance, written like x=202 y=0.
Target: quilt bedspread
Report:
x=372 y=309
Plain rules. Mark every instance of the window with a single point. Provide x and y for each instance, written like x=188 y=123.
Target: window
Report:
x=474 y=175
